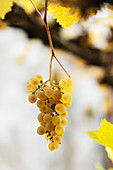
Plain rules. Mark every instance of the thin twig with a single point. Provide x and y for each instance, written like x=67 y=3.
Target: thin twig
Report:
x=48 y=33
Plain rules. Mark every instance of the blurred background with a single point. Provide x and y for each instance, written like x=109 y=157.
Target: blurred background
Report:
x=86 y=51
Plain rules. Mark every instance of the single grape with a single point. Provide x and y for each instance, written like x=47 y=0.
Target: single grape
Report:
x=53 y=133
x=40 y=103
x=69 y=82
x=43 y=109
x=66 y=98
x=47 y=118
x=63 y=121
x=56 y=120
x=59 y=129
x=67 y=105
x=41 y=130
x=59 y=108
x=29 y=87
x=34 y=82
x=48 y=92
x=49 y=127
x=52 y=146
x=51 y=101
x=64 y=114
x=32 y=98
x=57 y=145
x=41 y=95
x=56 y=95
x=40 y=117
x=57 y=139
x=39 y=77
x=49 y=110
x=63 y=83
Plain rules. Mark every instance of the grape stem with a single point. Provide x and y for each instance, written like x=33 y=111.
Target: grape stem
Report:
x=50 y=40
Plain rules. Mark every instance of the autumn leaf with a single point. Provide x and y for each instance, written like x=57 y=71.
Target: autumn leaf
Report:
x=5 y=6
x=104 y=136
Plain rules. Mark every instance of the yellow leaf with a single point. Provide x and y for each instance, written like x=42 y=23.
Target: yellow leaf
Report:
x=93 y=135
x=65 y=15
x=5 y=7
x=105 y=134
x=110 y=154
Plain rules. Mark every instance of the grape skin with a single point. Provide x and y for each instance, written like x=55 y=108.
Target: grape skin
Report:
x=59 y=108
x=47 y=118
x=32 y=98
x=34 y=82
x=59 y=129
x=41 y=130
x=52 y=146
x=48 y=92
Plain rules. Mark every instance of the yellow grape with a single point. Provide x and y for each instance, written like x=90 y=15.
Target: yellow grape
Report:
x=29 y=94
x=53 y=133
x=40 y=103
x=43 y=109
x=34 y=82
x=51 y=101
x=48 y=92
x=49 y=110
x=40 y=117
x=41 y=130
x=69 y=82
x=66 y=98
x=41 y=95
x=63 y=121
x=42 y=123
x=63 y=83
x=47 y=118
x=67 y=105
x=56 y=95
x=59 y=129
x=57 y=139
x=59 y=108
x=52 y=146
x=64 y=114
x=29 y=87
x=39 y=77
x=49 y=127
x=32 y=98
x=57 y=145
x=56 y=120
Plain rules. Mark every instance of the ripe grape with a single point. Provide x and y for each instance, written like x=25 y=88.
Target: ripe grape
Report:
x=52 y=146
x=47 y=118
x=56 y=95
x=56 y=120
x=41 y=130
x=57 y=145
x=29 y=87
x=43 y=109
x=66 y=98
x=59 y=129
x=40 y=117
x=60 y=108
x=63 y=83
x=57 y=139
x=64 y=114
x=34 y=82
x=48 y=92
x=41 y=95
x=49 y=127
x=32 y=98
x=39 y=77
x=53 y=133
x=69 y=82
x=40 y=103
x=67 y=105
x=63 y=121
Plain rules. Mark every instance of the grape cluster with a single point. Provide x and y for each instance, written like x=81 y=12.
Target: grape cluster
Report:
x=52 y=100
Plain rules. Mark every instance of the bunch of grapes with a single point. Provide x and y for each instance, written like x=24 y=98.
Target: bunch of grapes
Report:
x=52 y=100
